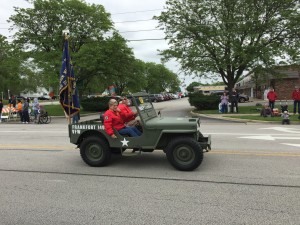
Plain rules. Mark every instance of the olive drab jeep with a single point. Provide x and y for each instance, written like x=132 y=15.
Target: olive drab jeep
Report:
x=179 y=138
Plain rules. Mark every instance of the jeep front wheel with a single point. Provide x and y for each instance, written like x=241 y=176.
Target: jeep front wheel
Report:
x=184 y=153
x=95 y=151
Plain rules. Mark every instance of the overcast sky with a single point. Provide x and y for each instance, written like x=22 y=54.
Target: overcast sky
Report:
x=123 y=13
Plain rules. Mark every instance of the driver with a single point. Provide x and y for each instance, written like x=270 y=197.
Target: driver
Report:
x=113 y=120
x=129 y=117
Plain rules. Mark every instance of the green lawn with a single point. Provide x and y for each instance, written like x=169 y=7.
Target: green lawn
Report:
x=251 y=113
x=57 y=110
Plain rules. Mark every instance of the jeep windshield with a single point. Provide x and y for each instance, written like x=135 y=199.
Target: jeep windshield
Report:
x=144 y=106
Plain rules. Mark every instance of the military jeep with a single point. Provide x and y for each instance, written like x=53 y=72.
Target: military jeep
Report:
x=179 y=138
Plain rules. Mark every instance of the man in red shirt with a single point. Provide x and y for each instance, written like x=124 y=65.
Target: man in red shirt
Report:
x=127 y=114
x=113 y=120
x=272 y=97
x=296 y=98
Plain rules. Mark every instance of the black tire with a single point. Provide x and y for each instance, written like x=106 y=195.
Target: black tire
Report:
x=242 y=100
x=184 y=153
x=48 y=119
x=43 y=119
x=95 y=151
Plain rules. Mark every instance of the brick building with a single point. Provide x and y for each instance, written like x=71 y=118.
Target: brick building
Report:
x=283 y=82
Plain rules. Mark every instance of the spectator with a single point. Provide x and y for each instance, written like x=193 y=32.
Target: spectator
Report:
x=296 y=98
x=285 y=117
x=35 y=107
x=266 y=111
x=234 y=101
x=113 y=120
x=25 y=112
x=19 y=110
x=1 y=107
x=76 y=118
x=272 y=97
x=224 y=102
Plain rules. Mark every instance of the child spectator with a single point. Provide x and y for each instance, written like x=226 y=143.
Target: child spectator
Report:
x=266 y=111
x=285 y=117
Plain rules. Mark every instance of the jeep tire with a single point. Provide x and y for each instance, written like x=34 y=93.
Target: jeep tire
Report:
x=184 y=153
x=95 y=151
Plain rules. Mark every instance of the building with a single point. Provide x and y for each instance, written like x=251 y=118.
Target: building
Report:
x=206 y=90
x=283 y=79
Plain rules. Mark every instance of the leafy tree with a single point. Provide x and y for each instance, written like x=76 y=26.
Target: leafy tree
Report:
x=108 y=62
x=190 y=87
x=230 y=37
x=10 y=68
x=160 y=79
x=39 y=31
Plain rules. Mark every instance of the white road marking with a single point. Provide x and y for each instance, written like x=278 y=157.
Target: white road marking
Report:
x=283 y=129
x=270 y=138
x=295 y=145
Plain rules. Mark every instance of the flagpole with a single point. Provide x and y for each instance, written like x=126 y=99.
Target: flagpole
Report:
x=66 y=34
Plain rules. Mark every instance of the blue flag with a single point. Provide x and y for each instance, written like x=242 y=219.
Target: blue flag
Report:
x=68 y=94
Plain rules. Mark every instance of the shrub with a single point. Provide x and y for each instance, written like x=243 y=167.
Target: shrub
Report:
x=96 y=104
x=204 y=102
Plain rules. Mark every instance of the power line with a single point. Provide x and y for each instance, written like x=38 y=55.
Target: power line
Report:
x=150 y=10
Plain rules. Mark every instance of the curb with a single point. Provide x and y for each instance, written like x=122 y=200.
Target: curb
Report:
x=231 y=119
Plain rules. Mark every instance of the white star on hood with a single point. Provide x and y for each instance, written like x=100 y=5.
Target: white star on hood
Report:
x=124 y=142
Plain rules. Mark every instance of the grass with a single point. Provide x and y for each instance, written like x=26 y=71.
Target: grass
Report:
x=251 y=113
x=57 y=110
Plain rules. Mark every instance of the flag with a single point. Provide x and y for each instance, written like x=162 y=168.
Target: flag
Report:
x=68 y=94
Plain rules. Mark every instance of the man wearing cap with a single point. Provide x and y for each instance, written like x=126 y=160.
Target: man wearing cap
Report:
x=113 y=120
x=296 y=98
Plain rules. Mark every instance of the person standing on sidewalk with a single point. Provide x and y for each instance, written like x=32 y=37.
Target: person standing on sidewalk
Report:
x=1 y=107
x=25 y=111
x=234 y=98
x=224 y=102
x=272 y=97
x=296 y=98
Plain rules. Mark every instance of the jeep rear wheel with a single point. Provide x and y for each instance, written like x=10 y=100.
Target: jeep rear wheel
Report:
x=95 y=151
x=184 y=153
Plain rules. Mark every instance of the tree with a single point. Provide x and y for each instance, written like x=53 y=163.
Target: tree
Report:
x=160 y=79
x=229 y=37
x=39 y=31
x=190 y=87
x=10 y=68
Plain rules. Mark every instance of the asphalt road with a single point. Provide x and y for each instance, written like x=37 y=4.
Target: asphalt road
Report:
x=251 y=176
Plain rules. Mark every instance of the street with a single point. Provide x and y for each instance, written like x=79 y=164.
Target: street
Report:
x=251 y=176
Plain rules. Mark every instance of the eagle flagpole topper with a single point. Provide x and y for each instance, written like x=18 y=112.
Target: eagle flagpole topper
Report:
x=68 y=94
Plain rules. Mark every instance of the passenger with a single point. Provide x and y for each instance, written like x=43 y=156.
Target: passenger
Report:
x=113 y=120
x=127 y=114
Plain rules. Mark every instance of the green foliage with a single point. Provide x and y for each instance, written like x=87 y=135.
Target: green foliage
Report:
x=96 y=104
x=225 y=38
x=204 y=102
x=40 y=27
x=159 y=78
x=190 y=87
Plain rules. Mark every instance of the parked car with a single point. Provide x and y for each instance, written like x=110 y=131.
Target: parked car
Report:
x=242 y=97
x=156 y=97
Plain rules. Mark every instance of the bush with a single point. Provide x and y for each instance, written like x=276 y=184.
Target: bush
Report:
x=204 y=102
x=96 y=104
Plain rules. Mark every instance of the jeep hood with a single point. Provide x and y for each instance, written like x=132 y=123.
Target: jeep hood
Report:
x=172 y=123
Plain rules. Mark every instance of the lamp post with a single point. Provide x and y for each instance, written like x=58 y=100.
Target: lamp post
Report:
x=2 y=95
